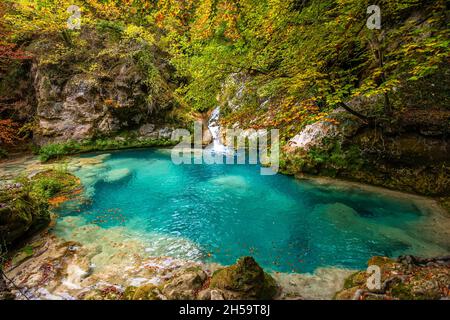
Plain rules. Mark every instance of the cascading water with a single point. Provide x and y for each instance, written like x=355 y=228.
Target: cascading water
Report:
x=214 y=127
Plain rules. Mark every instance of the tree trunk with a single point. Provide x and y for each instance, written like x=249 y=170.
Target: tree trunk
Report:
x=379 y=56
x=355 y=113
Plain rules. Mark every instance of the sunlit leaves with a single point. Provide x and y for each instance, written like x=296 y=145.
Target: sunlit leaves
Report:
x=301 y=50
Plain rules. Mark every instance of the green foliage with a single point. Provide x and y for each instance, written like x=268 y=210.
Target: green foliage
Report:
x=115 y=28
x=51 y=183
x=53 y=151
x=3 y=153
x=318 y=51
x=24 y=213
x=47 y=187
x=59 y=150
x=158 y=91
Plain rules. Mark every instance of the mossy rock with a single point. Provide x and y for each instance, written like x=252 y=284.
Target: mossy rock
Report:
x=383 y=262
x=103 y=295
x=24 y=254
x=245 y=280
x=355 y=280
x=418 y=279
x=52 y=183
x=23 y=216
x=424 y=284
x=25 y=208
x=145 y=292
x=379 y=261
x=346 y=294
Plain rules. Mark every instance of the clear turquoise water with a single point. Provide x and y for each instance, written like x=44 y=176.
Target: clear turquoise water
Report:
x=228 y=211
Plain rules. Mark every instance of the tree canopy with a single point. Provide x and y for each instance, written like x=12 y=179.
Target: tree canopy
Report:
x=312 y=50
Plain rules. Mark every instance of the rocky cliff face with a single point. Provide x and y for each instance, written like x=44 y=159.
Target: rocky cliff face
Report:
x=93 y=84
x=85 y=106
x=405 y=156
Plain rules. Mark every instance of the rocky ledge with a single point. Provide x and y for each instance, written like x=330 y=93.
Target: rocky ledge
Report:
x=49 y=268
x=405 y=278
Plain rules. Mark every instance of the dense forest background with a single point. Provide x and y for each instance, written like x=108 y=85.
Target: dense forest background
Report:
x=305 y=54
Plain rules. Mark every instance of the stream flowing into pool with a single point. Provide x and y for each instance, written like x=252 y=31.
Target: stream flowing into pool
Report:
x=218 y=213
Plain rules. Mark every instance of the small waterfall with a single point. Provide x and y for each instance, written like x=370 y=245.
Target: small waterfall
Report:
x=214 y=127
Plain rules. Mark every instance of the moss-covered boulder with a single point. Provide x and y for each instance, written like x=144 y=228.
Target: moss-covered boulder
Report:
x=24 y=206
x=21 y=214
x=53 y=183
x=407 y=278
x=244 y=280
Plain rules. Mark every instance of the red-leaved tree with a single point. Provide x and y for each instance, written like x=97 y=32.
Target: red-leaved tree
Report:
x=8 y=51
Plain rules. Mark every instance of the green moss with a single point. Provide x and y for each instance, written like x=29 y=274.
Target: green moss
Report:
x=146 y=292
x=356 y=279
x=52 y=183
x=26 y=209
x=247 y=279
x=23 y=255
x=402 y=291
x=24 y=214
x=59 y=150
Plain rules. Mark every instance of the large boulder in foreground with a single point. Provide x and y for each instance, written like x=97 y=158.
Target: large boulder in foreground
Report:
x=245 y=280
x=21 y=214
x=24 y=206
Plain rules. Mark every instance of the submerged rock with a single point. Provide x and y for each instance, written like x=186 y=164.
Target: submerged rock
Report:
x=117 y=175
x=244 y=280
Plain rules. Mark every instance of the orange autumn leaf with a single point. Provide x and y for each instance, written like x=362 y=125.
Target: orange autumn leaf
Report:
x=57 y=200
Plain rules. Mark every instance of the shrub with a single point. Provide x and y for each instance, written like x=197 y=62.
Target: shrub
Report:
x=3 y=153
x=47 y=187
x=50 y=151
x=48 y=184
x=58 y=150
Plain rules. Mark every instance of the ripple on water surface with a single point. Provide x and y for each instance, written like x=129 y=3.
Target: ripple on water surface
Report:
x=221 y=212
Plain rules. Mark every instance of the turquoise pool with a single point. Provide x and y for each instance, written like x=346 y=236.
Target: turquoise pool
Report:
x=218 y=213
